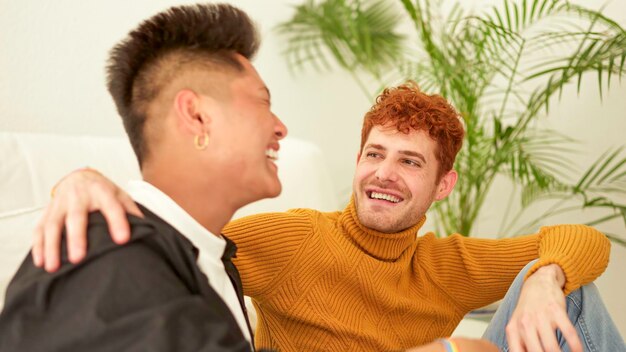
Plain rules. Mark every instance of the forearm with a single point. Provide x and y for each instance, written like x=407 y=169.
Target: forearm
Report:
x=581 y=252
x=462 y=344
x=474 y=271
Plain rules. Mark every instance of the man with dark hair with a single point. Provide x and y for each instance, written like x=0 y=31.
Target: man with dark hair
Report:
x=181 y=41
x=198 y=117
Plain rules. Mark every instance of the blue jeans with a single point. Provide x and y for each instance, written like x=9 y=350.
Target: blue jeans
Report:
x=585 y=309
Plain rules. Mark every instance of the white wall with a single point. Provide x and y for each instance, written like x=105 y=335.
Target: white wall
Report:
x=52 y=73
x=52 y=57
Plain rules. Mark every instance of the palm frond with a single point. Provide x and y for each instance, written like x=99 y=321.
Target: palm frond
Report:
x=610 y=167
x=598 y=188
x=537 y=159
x=357 y=35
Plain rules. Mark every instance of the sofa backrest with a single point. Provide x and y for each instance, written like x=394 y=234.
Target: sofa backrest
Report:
x=30 y=165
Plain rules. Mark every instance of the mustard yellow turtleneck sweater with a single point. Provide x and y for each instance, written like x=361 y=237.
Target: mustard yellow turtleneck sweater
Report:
x=323 y=282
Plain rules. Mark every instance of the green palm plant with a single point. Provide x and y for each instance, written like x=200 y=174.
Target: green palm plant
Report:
x=501 y=69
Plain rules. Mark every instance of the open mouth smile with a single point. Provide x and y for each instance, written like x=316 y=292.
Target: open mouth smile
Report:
x=383 y=196
x=271 y=154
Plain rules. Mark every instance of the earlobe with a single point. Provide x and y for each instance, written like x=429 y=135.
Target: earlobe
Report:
x=446 y=184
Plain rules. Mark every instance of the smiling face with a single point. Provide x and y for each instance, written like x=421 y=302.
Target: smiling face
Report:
x=245 y=135
x=396 y=179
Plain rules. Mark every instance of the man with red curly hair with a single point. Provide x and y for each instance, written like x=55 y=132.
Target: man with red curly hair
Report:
x=362 y=278
x=408 y=116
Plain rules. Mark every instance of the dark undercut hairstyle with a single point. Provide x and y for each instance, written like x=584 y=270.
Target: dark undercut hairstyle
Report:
x=141 y=65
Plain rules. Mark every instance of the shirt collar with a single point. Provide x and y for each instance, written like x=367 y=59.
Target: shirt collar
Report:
x=167 y=209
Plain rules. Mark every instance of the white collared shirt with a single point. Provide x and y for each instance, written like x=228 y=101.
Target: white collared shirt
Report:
x=211 y=247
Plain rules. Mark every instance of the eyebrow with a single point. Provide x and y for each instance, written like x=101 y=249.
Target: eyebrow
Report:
x=404 y=152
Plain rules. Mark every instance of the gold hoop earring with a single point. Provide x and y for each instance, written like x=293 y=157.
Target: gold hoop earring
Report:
x=201 y=142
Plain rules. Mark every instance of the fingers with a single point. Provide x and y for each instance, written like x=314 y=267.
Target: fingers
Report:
x=531 y=341
x=129 y=204
x=533 y=334
x=114 y=207
x=568 y=331
x=514 y=339
x=117 y=222
x=76 y=232
x=47 y=241
x=69 y=208
x=523 y=335
x=76 y=195
x=113 y=203
x=37 y=251
x=52 y=245
x=538 y=332
x=547 y=334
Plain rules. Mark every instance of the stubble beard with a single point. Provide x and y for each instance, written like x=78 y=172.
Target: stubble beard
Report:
x=387 y=222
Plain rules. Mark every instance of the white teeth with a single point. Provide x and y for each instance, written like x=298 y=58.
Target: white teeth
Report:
x=271 y=154
x=387 y=197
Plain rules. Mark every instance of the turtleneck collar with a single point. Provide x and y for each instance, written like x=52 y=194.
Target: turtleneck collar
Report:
x=380 y=245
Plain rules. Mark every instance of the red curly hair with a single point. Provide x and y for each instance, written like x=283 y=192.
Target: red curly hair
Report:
x=408 y=109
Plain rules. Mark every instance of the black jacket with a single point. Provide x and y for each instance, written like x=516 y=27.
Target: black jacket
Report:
x=148 y=295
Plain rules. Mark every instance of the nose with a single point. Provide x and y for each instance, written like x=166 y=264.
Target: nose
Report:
x=280 y=130
x=386 y=171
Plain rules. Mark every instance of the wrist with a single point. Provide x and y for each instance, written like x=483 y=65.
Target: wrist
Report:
x=449 y=345
x=551 y=272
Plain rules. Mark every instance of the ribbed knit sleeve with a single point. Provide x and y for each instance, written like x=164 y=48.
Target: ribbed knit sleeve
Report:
x=476 y=272
x=473 y=271
x=581 y=251
x=265 y=245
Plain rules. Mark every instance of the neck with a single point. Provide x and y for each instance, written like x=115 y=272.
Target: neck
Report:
x=205 y=201
x=383 y=246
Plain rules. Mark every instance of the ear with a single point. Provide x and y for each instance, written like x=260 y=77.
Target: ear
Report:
x=190 y=113
x=446 y=184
